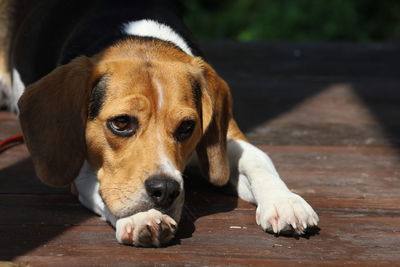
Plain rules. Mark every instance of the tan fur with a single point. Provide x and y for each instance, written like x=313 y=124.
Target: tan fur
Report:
x=234 y=132
x=53 y=112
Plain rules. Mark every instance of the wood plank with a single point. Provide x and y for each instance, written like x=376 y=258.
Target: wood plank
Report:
x=195 y=261
x=359 y=240
x=361 y=172
x=204 y=260
x=17 y=175
x=60 y=210
x=346 y=229
x=8 y=125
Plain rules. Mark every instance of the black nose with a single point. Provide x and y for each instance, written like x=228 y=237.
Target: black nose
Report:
x=162 y=190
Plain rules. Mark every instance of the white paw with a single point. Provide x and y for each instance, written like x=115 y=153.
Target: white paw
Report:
x=146 y=229
x=285 y=212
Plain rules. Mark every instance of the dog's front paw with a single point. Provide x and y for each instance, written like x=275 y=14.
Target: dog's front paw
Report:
x=146 y=229
x=285 y=213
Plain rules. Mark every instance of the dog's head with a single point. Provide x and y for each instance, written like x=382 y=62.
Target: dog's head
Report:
x=136 y=112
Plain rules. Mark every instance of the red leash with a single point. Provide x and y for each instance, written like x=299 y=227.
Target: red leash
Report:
x=11 y=141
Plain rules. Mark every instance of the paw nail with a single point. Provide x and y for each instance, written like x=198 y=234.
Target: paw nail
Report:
x=275 y=226
x=170 y=221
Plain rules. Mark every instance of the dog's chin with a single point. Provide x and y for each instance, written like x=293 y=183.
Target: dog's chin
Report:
x=174 y=211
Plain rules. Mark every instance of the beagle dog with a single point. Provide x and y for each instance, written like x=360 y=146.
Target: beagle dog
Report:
x=119 y=100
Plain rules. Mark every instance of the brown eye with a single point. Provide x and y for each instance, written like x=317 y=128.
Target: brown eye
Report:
x=123 y=125
x=184 y=130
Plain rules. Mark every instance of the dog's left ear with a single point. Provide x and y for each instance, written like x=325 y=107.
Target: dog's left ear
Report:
x=53 y=120
x=216 y=105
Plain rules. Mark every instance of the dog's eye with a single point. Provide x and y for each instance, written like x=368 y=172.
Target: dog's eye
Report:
x=123 y=125
x=184 y=130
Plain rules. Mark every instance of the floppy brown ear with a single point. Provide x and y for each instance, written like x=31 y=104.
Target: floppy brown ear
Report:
x=216 y=114
x=53 y=118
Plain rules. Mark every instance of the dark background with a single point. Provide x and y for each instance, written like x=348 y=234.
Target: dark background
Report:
x=293 y=20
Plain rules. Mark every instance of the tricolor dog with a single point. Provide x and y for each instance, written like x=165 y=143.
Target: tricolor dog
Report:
x=118 y=101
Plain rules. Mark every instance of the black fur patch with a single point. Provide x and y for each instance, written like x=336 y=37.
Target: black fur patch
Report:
x=97 y=97
x=196 y=88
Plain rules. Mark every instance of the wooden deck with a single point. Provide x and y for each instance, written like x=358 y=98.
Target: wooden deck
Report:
x=327 y=114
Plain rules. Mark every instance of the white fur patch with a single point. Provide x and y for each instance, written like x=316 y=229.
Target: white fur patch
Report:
x=17 y=90
x=167 y=168
x=88 y=189
x=151 y=28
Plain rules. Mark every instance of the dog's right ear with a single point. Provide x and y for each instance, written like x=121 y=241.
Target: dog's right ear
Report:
x=53 y=115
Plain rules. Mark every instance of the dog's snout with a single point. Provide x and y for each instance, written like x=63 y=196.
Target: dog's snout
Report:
x=162 y=190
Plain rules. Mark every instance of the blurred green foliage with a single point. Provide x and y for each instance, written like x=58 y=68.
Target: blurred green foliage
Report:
x=293 y=20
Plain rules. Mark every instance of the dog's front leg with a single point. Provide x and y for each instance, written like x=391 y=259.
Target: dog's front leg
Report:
x=87 y=186
x=256 y=180
x=149 y=228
